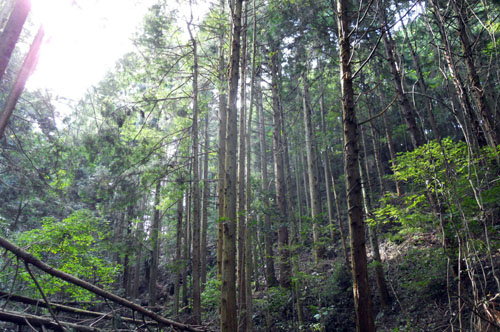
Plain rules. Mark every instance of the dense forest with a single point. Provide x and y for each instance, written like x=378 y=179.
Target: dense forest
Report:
x=280 y=165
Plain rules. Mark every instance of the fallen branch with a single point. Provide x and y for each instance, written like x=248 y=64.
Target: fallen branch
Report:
x=54 y=317
x=26 y=319
x=28 y=258
x=64 y=308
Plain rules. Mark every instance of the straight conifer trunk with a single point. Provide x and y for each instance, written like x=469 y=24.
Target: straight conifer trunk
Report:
x=416 y=134
x=463 y=97
x=204 y=211
x=366 y=187
x=248 y=234
x=241 y=181
x=221 y=152
x=228 y=295
x=487 y=119
x=279 y=174
x=196 y=189
x=139 y=235
x=268 y=234
x=186 y=248
x=11 y=32
x=27 y=68
x=361 y=287
x=178 y=252
x=155 y=246
x=312 y=169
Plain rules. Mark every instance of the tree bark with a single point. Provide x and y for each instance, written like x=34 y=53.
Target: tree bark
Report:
x=299 y=199
x=204 y=212
x=390 y=143
x=221 y=153
x=463 y=97
x=248 y=235
x=228 y=295
x=487 y=118
x=127 y=267
x=421 y=82
x=155 y=246
x=178 y=251
x=330 y=187
x=361 y=287
x=241 y=180
x=11 y=32
x=312 y=170
x=416 y=134
x=186 y=248
x=196 y=280
x=268 y=232
x=279 y=174
x=27 y=68
x=366 y=188
x=139 y=235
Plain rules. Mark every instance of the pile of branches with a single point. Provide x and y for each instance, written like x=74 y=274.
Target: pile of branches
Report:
x=146 y=319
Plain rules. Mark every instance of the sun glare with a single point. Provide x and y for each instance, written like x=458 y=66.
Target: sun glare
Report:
x=84 y=38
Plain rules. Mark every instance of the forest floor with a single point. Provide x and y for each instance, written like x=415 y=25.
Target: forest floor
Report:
x=423 y=294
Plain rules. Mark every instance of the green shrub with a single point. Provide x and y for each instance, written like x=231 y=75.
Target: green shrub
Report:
x=75 y=246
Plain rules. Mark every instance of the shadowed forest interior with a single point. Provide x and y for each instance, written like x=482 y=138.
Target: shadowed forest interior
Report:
x=258 y=165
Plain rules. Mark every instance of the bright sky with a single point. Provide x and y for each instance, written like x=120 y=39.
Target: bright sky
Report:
x=84 y=38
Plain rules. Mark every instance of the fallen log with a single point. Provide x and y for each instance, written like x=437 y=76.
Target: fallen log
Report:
x=68 y=309
x=30 y=259
x=26 y=319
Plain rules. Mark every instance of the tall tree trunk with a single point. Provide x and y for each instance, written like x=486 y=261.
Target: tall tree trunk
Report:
x=155 y=246
x=306 y=182
x=186 y=247
x=416 y=134
x=279 y=174
x=421 y=82
x=139 y=235
x=228 y=295
x=268 y=233
x=127 y=268
x=330 y=186
x=376 y=155
x=204 y=212
x=390 y=143
x=487 y=119
x=300 y=206
x=248 y=281
x=242 y=302
x=366 y=188
x=27 y=68
x=463 y=97
x=248 y=234
x=196 y=189
x=221 y=153
x=178 y=251
x=257 y=253
x=361 y=287
x=312 y=170
x=11 y=32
